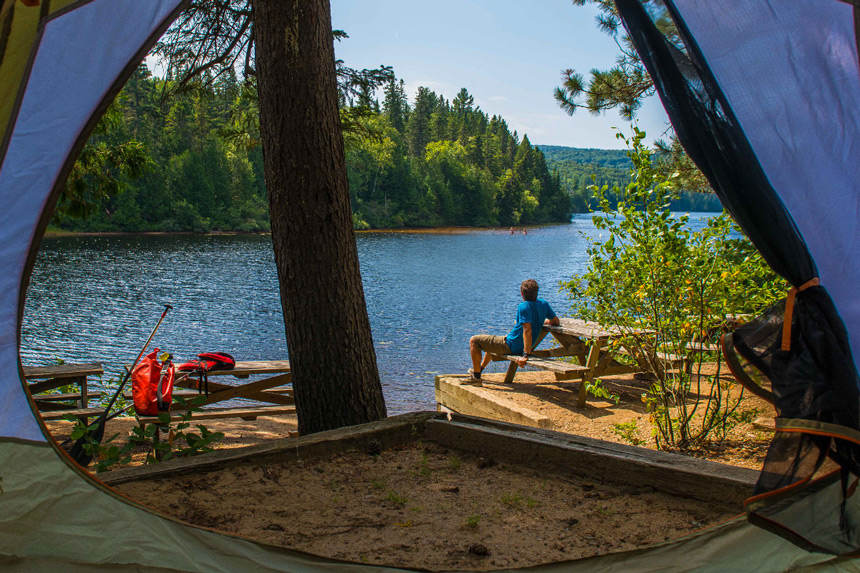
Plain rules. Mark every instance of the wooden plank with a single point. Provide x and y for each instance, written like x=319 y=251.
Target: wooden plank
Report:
x=253 y=391
x=583 y=329
x=216 y=413
x=78 y=413
x=63 y=371
x=546 y=364
x=287 y=392
x=474 y=401
x=703 y=347
x=45 y=385
x=59 y=397
x=244 y=369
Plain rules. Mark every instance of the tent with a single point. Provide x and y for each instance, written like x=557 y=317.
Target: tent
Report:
x=61 y=62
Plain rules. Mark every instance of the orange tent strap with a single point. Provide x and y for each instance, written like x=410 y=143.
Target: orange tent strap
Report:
x=789 y=311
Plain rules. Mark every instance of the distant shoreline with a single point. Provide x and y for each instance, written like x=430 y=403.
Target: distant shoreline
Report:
x=52 y=234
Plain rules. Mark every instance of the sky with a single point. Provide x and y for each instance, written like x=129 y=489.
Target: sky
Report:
x=509 y=54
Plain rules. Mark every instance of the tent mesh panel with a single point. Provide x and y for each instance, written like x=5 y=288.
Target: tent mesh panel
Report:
x=814 y=386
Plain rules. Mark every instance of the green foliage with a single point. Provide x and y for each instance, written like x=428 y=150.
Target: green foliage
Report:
x=193 y=162
x=579 y=169
x=627 y=431
x=443 y=163
x=626 y=85
x=182 y=442
x=668 y=288
x=454 y=463
x=175 y=166
x=473 y=520
x=397 y=499
x=511 y=499
x=598 y=390
x=103 y=168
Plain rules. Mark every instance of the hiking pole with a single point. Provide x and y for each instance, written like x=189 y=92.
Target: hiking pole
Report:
x=77 y=451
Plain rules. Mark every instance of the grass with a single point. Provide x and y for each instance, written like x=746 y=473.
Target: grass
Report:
x=511 y=499
x=473 y=520
x=454 y=462
x=395 y=498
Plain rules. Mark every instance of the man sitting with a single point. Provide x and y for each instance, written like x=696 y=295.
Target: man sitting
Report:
x=532 y=314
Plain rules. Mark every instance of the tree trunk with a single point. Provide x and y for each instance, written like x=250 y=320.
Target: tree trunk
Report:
x=335 y=377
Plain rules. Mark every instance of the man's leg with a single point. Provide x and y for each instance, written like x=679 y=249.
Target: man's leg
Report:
x=475 y=352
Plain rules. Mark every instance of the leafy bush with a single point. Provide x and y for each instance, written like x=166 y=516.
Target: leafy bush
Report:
x=672 y=292
x=182 y=442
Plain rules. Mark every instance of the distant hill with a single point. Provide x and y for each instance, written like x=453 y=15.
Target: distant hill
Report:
x=616 y=158
x=576 y=165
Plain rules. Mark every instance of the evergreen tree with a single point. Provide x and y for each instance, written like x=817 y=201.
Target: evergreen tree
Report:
x=419 y=128
x=395 y=106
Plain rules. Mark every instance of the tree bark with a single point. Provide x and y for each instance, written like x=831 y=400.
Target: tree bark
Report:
x=335 y=376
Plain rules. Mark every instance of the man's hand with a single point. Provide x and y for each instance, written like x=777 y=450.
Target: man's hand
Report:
x=554 y=321
x=521 y=361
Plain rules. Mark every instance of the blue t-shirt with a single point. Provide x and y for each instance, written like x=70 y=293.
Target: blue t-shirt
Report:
x=535 y=312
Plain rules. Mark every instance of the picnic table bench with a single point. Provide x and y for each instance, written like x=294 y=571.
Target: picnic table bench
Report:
x=54 y=406
x=271 y=391
x=595 y=348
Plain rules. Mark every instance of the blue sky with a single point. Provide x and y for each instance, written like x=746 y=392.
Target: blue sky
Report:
x=509 y=54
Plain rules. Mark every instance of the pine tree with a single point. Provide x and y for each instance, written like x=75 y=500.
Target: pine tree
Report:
x=419 y=128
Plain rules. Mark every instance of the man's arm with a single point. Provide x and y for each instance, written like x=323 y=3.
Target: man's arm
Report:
x=554 y=321
x=527 y=343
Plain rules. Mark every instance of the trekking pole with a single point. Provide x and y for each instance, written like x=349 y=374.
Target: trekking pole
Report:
x=77 y=451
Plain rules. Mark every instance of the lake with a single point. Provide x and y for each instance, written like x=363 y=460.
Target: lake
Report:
x=98 y=298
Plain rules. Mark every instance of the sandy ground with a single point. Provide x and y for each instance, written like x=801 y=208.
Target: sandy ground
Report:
x=425 y=506
x=429 y=507
x=627 y=421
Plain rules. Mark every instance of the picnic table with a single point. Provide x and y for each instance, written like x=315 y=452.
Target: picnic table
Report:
x=271 y=391
x=595 y=348
x=43 y=379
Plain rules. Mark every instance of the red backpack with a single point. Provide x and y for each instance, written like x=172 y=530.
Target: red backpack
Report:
x=152 y=385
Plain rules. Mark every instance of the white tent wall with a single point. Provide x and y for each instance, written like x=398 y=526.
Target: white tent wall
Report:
x=52 y=517
x=791 y=76
x=81 y=54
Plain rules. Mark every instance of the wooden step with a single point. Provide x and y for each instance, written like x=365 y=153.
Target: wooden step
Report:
x=215 y=413
x=60 y=397
x=78 y=413
x=551 y=365
x=666 y=358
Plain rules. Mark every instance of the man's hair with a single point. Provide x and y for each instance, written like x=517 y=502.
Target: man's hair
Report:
x=529 y=289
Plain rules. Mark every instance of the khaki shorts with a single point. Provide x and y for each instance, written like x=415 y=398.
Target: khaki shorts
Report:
x=492 y=344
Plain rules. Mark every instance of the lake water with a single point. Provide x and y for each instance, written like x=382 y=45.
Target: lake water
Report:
x=98 y=298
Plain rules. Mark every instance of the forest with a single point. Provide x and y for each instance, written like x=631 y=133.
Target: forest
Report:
x=189 y=160
x=611 y=167
x=192 y=162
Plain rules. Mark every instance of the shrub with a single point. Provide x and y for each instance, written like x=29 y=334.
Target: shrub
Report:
x=671 y=290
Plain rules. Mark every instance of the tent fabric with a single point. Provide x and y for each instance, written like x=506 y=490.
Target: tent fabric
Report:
x=61 y=61
x=759 y=94
x=75 y=49
x=52 y=519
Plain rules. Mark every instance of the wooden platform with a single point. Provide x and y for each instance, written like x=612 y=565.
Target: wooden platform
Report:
x=452 y=394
